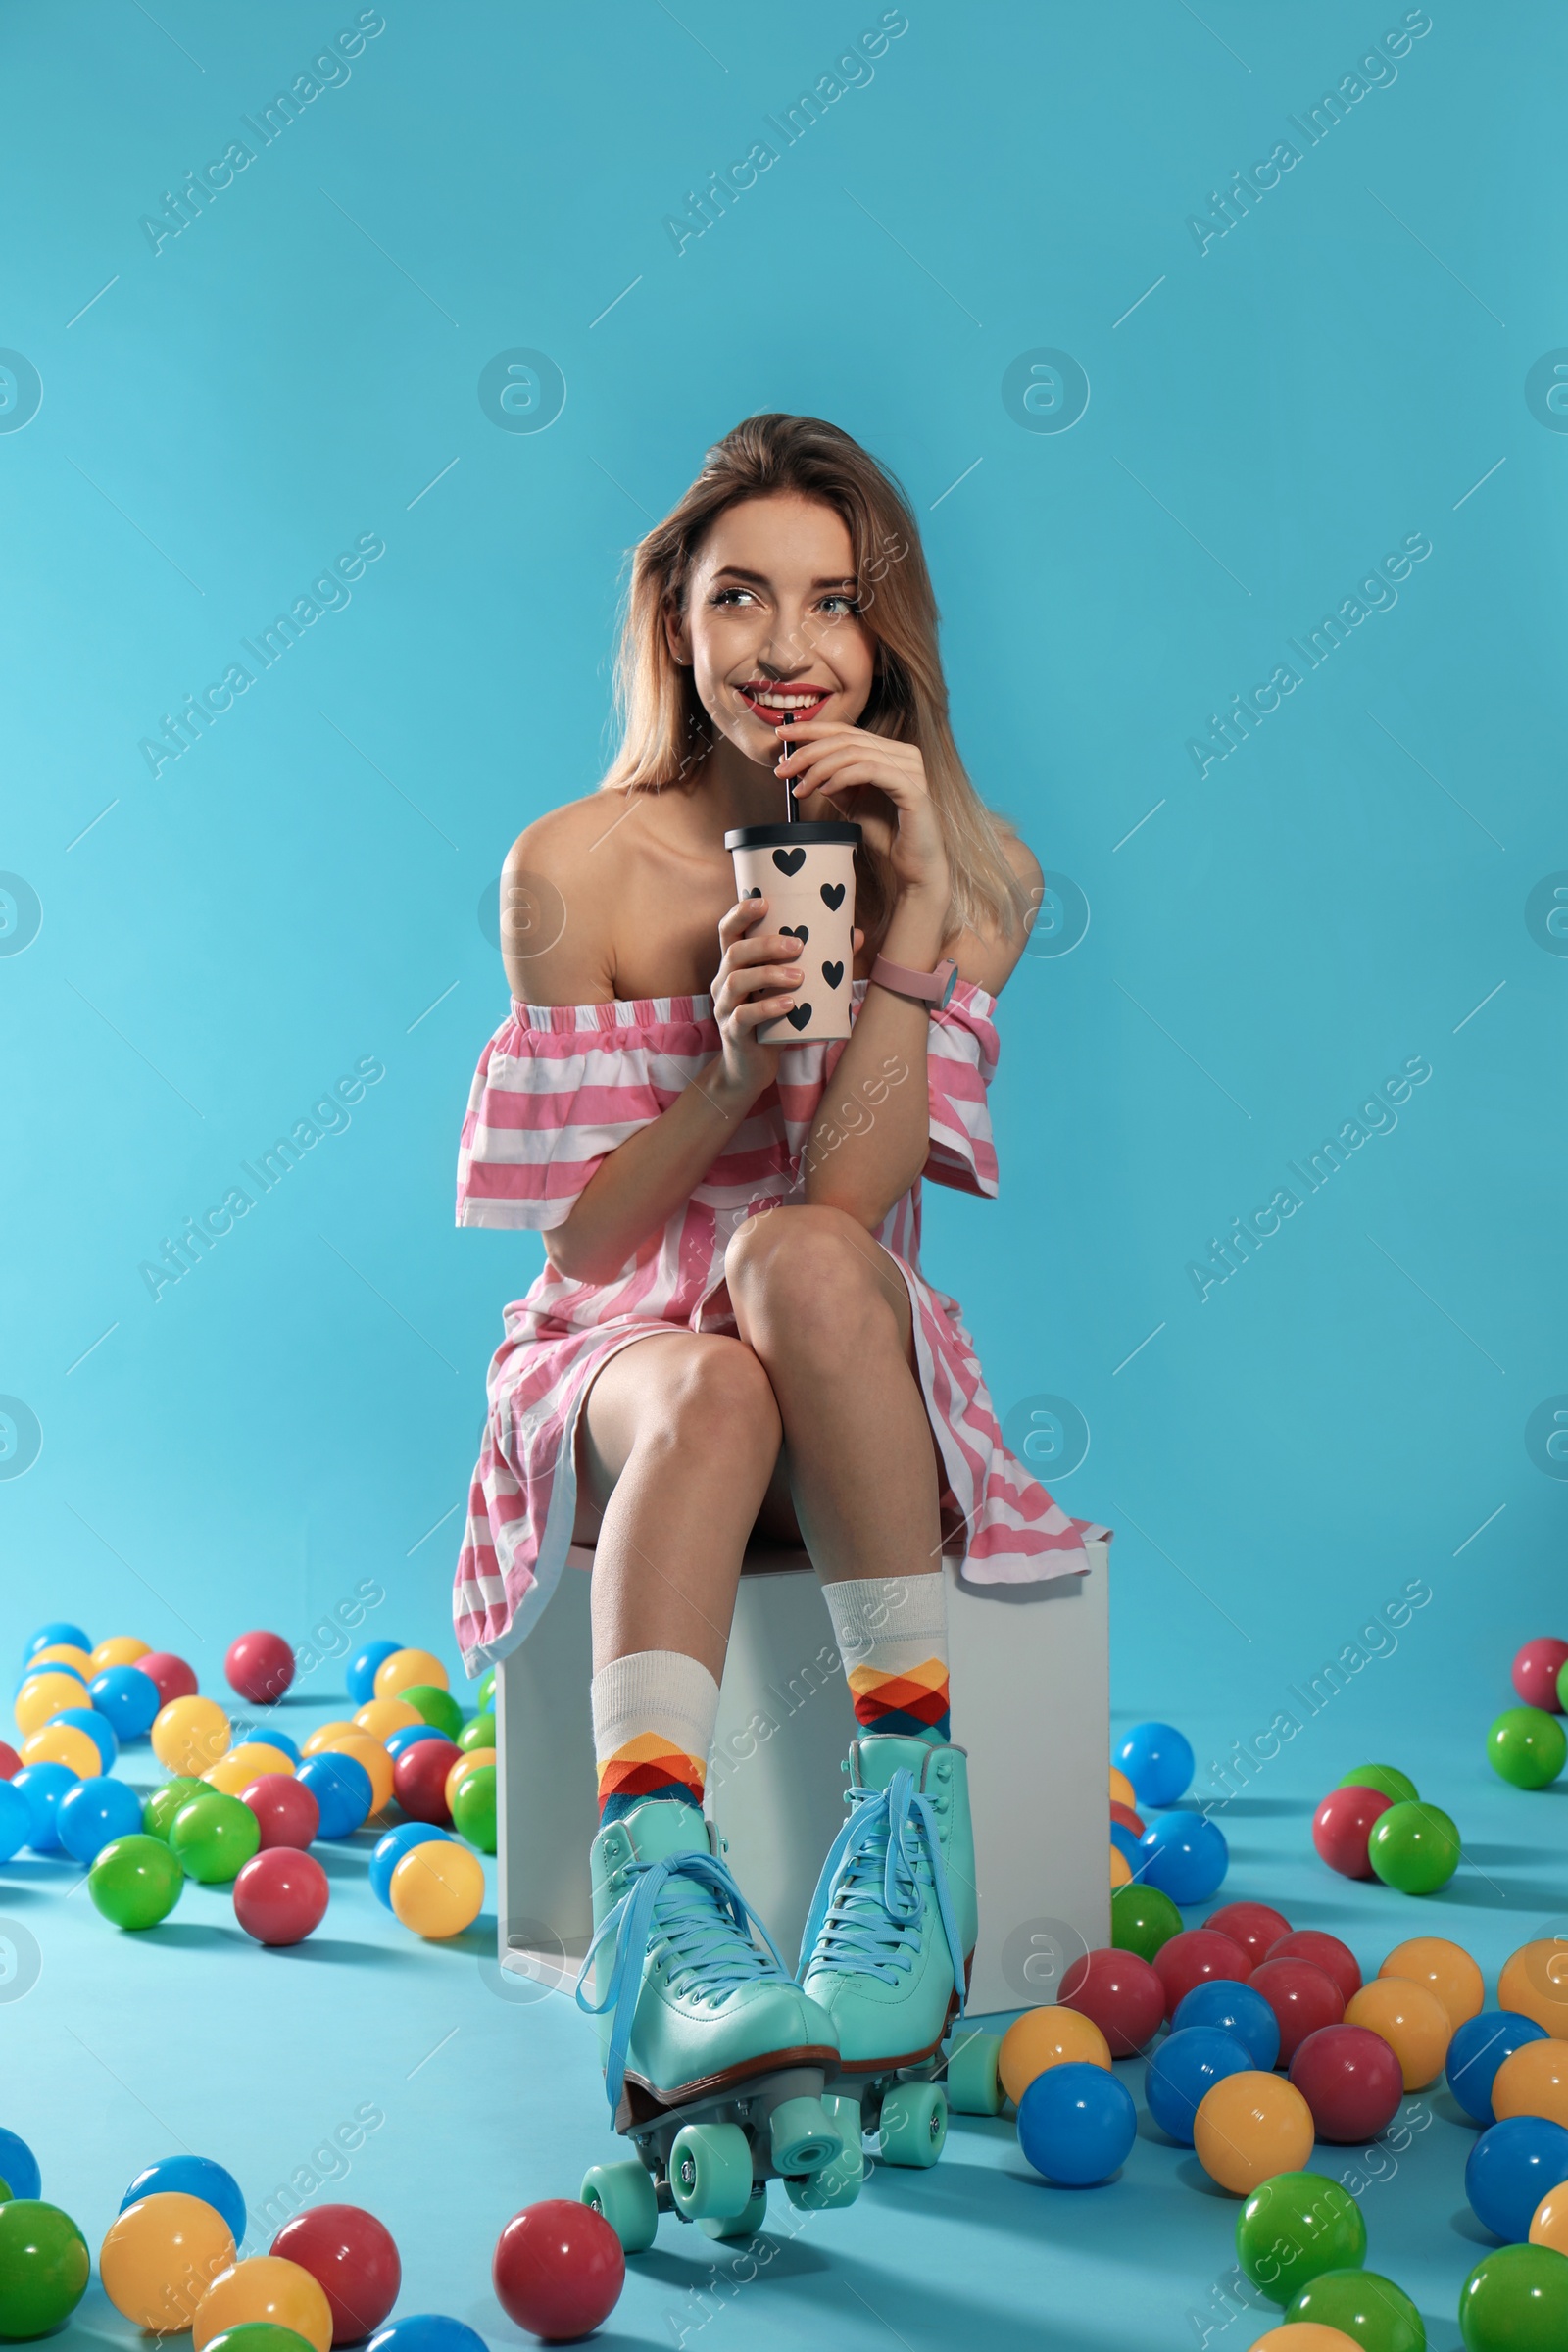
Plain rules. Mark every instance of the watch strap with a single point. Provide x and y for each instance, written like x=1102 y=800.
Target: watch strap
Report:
x=926 y=988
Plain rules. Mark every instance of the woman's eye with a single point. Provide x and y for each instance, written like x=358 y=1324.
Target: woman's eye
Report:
x=845 y=605
x=722 y=595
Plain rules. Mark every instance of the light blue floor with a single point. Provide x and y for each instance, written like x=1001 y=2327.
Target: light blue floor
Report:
x=130 y=2047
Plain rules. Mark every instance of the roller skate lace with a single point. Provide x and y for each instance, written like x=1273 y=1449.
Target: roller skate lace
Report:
x=869 y=1910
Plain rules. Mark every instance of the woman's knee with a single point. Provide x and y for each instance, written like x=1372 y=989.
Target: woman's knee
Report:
x=811 y=1269
x=715 y=1394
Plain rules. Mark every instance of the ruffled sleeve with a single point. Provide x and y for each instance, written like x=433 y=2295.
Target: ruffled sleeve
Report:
x=960 y=1064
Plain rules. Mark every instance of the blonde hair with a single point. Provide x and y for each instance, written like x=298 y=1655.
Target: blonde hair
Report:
x=665 y=731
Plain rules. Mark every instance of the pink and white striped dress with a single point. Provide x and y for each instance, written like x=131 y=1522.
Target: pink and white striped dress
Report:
x=558 y=1087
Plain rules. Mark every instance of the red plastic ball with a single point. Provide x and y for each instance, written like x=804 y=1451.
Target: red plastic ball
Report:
x=1351 y=2080
x=281 y=1895
x=1191 y=1957
x=1253 y=1926
x=9 y=1762
x=1121 y=1993
x=259 y=1667
x=1536 y=1670
x=289 y=1813
x=1327 y=1952
x=559 y=2269
x=1342 y=1826
x=351 y=2257
x=420 y=1784
x=1127 y=1816
x=174 y=1678
x=1302 y=1997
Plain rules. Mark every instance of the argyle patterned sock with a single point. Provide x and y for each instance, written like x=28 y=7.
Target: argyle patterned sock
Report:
x=653 y=1716
x=892 y=1634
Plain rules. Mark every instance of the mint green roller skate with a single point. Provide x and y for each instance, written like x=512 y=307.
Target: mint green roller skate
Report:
x=714 y=2059
x=888 y=1944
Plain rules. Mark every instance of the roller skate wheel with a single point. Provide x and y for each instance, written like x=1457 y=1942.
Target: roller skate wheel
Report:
x=625 y=2196
x=710 y=2172
x=839 y=2183
x=741 y=2225
x=802 y=2137
x=915 y=2124
x=974 y=2088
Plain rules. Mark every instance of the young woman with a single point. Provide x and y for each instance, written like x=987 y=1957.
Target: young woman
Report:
x=755 y=1212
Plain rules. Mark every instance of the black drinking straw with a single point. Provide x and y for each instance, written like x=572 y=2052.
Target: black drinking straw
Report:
x=790 y=812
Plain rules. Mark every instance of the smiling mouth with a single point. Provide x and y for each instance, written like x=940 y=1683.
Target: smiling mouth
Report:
x=777 y=703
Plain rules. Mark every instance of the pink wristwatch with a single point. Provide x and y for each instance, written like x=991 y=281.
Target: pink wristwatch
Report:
x=927 y=987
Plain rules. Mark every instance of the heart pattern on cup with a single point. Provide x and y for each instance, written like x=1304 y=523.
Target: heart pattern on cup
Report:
x=832 y=973
x=832 y=892
x=750 y=894
x=794 y=931
x=790 y=861
x=799 y=1017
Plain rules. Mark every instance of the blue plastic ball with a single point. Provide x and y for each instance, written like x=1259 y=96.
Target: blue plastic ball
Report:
x=1184 y=1856
x=52 y=1666
x=92 y=1813
x=1157 y=1762
x=15 y=1831
x=1076 y=2124
x=341 y=1788
x=1234 y=2009
x=1476 y=2052
x=1510 y=2169
x=128 y=1698
x=361 y=1676
x=193 y=2177
x=43 y=1785
x=52 y=1637
x=19 y=2166
x=390 y=1850
x=426 y=2332
x=280 y=1739
x=99 y=1730
x=407 y=1734
x=1183 y=2069
x=1126 y=1845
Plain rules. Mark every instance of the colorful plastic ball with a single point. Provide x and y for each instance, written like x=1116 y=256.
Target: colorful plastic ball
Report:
x=1516 y=2300
x=43 y=1665
x=286 y=1813
x=1157 y=1762
x=92 y=1813
x=370 y=1753
x=214 y=1836
x=1476 y=2052
x=1192 y=1958
x=171 y=1676
x=127 y=1700
x=1185 y=2066
x=1414 y=1848
x=165 y=1803
x=420 y=1777
x=1305 y=2336
x=60 y=1743
x=1350 y=2078
x=19 y=2166
x=1045 y=2038
x=1121 y=1788
x=476 y=1760
x=485 y=1696
x=1534 y=1983
x=256 y=2335
x=1446 y=1969
x=438 y=1890
x=1398 y=1786
x=1510 y=2169
x=259 y=1666
x=97 y=1728
x=1536 y=1668
x=1253 y=1926
x=49 y=1636
x=1248 y=2127
x=193 y=2177
x=1123 y=1814
x=435 y=1704
x=1185 y=1857
x=273 y=1737
x=390 y=1850
x=10 y=1761
x=120 y=1649
x=1233 y=2008
x=1302 y=1997
x=233 y=1774
x=1327 y=1952
x=559 y=2269
x=16 y=1820
x=426 y=2332
x=381 y=1717
x=480 y=1733
x=1121 y=1871
x=1142 y=1919
x=1342 y=1826
x=44 y=1695
x=352 y=2258
x=1526 y=1748
x=280 y=1897
x=1369 y=2310
x=341 y=1788
x=60 y=1653
x=1125 y=1844
x=1548 y=2223
x=44 y=2267
x=161 y=2255
x=1118 y=1992
x=1076 y=2125
x=44 y=1786
x=325 y=1732
x=1410 y=2019
x=473 y=1809
x=409 y=1736
x=1534 y=2081
x=136 y=1881
x=266 y=2287
x=190 y=1734
x=363 y=1668
x=1294 y=2227
x=406 y=1668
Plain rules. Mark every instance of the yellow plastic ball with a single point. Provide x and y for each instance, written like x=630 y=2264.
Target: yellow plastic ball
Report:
x=1120 y=1869
x=381 y=1717
x=64 y=1743
x=438 y=1890
x=44 y=1695
x=1122 y=1792
x=1534 y=1983
x=64 y=1654
x=267 y=2288
x=121 y=1649
x=1251 y=2126
x=405 y=1667
x=1534 y=2081
x=1550 y=2226
x=235 y=1773
x=159 y=2258
x=1306 y=2335
x=462 y=1767
x=368 y=1751
x=1411 y=2019
x=1444 y=1968
x=325 y=1732
x=1041 y=2038
x=190 y=1736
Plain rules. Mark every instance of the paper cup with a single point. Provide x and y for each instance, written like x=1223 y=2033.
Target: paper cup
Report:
x=807 y=874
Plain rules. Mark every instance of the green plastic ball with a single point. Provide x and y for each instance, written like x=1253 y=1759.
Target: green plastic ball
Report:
x=165 y=1803
x=480 y=1733
x=1371 y=2310
x=1562 y=1686
x=1142 y=1919
x=1415 y=1847
x=1527 y=1746
x=214 y=1836
x=44 y=2267
x=484 y=1699
x=1294 y=2229
x=136 y=1881
x=434 y=1706
x=1516 y=2300
x=1398 y=1786
x=473 y=1808
x=258 y=2335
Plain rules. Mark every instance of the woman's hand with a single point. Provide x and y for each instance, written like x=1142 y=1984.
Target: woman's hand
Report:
x=875 y=783
x=755 y=982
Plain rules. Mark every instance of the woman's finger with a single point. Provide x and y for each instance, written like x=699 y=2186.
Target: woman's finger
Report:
x=738 y=919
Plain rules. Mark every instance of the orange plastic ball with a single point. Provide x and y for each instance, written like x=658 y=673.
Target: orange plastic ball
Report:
x=381 y=1717
x=368 y=1751
x=1532 y=2082
x=1535 y=1983
x=267 y=2288
x=1306 y=2335
x=190 y=1736
x=1044 y=2038
x=438 y=1888
x=1411 y=2019
x=462 y=1767
x=1121 y=1873
x=64 y=1743
x=1550 y=2225
x=121 y=1649
x=159 y=2258
x=1446 y=1969
x=325 y=1732
x=44 y=1695
x=1251 y=2126
x=1122 y=1789
x=407 y=1667
x=64 y=1653
x=235 y=1772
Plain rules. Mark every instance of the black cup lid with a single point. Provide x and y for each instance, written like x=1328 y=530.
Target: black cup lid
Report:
x=783 y=837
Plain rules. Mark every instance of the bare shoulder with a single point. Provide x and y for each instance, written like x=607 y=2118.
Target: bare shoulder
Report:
x=988 y=955
x=554 y=904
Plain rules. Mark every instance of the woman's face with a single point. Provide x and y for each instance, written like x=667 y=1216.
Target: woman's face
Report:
x=771 y=625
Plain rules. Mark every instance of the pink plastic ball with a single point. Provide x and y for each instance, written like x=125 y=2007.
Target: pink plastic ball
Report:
x=1536 y=1670
x=174 y=1678
x=259 y=1667
x=281 y=1895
